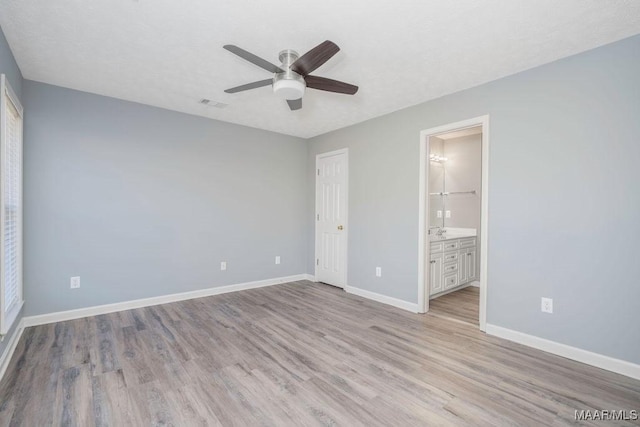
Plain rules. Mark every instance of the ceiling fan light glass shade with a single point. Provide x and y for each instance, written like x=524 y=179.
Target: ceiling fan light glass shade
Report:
x=289 y=89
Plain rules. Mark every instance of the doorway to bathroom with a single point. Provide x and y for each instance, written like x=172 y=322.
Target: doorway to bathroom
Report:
x=453 y=227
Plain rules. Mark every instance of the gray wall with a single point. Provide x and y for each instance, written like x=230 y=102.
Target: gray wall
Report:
x=140 y=201
x=550 y=232
x=9 y=67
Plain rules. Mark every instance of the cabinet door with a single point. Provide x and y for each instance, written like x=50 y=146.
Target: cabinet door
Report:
x=450 y=281
x=462 y=266
x=471 y=264
x=435 y=274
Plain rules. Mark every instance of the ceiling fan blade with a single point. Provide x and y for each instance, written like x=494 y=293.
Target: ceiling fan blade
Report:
x=295 y=104
x=262 y=63
x=248 y=86
x=315 y=57
x=322 y=83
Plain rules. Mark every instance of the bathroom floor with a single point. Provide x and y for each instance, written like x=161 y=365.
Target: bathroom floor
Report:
x=462 y=305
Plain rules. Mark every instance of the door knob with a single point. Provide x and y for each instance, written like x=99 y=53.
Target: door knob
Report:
x=340 y=227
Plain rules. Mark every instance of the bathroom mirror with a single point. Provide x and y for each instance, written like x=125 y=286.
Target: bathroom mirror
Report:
x=455 y=179
x=436 y=201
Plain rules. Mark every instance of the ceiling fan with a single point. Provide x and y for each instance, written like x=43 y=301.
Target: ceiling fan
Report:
x=292 y=77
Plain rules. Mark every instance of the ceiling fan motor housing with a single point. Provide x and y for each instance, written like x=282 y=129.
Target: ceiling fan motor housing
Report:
x=288 y=85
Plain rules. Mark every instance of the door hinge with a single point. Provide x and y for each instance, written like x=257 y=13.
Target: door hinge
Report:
x=318 y=172
x=318 y=217
x=317 y=261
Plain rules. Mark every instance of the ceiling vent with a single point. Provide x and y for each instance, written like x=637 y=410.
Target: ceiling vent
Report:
x=210 y=103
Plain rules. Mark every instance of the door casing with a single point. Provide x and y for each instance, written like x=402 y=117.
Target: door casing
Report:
x=423 y=207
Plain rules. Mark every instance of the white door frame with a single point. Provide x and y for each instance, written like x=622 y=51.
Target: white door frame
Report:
x=344 y=151
x=423 y=247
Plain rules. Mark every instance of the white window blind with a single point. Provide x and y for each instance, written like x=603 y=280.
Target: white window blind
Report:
x=10 y=207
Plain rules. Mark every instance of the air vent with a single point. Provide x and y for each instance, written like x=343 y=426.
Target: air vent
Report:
x=210 y=103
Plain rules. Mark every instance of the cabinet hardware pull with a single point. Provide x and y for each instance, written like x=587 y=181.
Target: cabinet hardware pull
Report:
x=433 y=262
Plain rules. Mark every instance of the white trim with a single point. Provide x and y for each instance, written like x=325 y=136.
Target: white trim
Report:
x=5 y=358
x=146 y=302
x=309 y=277
x=423 y=207
x=405 y=305
x=344 y=151
x=423 y=230
x=7 y=95
x=11 y=94
x=594 y=359
x=484 y=225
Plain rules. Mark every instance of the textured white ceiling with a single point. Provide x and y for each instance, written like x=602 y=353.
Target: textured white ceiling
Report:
x=168 y=53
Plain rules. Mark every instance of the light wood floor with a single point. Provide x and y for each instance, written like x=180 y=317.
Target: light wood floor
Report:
x=292 y=354
x=462 y=305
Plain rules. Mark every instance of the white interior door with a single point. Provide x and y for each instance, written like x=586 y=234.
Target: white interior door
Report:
x=331 y=218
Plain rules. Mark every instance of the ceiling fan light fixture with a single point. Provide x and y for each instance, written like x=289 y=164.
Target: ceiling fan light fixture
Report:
x=292 y=77
x=289 y=89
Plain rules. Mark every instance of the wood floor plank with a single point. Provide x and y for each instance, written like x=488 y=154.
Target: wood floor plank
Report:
x=295 y=354
x=462 y=305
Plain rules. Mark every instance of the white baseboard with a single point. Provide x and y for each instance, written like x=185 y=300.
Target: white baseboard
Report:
x=309 y=277
x=594 y=359
x=405 y=305
x=146 y=302
x=475 y=283
x=5 y=358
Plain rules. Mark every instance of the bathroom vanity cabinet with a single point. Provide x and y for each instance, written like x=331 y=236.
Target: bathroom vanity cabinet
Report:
x=453 y=263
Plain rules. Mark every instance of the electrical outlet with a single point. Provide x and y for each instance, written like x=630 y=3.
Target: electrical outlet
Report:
x=447 y=214
x=75 y=282
x=547 y=305
x=378 y=272
x=278 y=259
x=223 y=265
x=439 y=214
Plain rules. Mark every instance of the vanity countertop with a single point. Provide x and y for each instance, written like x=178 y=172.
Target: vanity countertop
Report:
x=451 y=236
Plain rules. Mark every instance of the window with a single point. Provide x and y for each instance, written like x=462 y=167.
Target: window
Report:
x=10 y=206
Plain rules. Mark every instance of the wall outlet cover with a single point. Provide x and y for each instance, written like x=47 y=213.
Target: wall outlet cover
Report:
x=223 y=265
x=378 y=272
x=546 y=305
x=74 y=282
x=278 y=259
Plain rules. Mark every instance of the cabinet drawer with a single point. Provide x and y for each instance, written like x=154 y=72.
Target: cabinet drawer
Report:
x=450 y=268
x=450 y=281
x=450 y=256
x=467 y=243
x=450 y=245
x=437 y=247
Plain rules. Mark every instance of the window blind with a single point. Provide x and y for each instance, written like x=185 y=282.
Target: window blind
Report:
x=11 y=179
x=10 y=206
